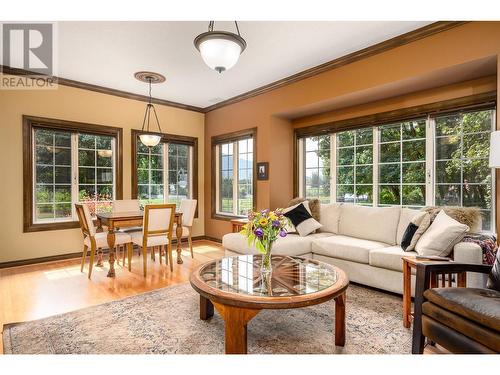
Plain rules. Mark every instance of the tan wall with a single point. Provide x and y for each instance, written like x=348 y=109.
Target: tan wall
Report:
x=72 y=104
x=446 y=50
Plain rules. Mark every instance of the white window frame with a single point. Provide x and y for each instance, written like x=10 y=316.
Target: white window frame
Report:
x=430 y=161
x=235 y=144
x=74 y=175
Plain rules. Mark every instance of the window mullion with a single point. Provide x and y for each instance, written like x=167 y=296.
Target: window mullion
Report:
x=375 y=169
x=74 y=174
x=235 y=178
x=430 y=161
x=166 y=182
x=333 y=167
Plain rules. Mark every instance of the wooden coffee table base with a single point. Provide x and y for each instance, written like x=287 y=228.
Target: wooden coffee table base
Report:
x=237 y=318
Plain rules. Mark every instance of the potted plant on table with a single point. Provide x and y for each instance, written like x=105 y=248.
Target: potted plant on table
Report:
x=262 y=230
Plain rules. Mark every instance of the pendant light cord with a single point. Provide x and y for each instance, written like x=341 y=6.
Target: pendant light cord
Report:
x=147 y=114
x=212 y=23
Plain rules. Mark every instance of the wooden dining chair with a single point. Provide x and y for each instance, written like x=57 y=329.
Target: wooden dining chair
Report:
x=188 y=209
x=157 y=226
x=127 y=205
x=93 y=240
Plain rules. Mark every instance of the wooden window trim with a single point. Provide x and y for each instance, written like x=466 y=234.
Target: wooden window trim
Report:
x=30 y=122
x=166 y=138
x=485 y=100
x=228 y=138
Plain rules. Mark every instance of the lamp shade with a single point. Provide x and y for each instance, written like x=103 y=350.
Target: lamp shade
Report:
x=220 y=50
x=495 y=149
x=150 y=140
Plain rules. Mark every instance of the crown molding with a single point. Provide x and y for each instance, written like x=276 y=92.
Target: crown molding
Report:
x=395 y=42
x=101 y=89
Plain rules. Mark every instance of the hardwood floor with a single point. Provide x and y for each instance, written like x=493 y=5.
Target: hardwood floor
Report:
x=41 y=290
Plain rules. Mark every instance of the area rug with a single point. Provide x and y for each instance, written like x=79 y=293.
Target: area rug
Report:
x=166 y=321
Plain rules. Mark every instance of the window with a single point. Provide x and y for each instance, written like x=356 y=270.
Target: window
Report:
x=354 y=172
x=317 y=168
x=234 y=166
x=433 y=160
x=66 y=163
x=166 y=172
x=401 y=170
x=462 y=174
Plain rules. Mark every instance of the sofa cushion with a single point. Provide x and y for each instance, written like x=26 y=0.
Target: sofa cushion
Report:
x=330 y=217
x=478 y=305
x=405 y=217
x=389 y=257
x=370 y=223
x=292 y=244
x=344 y=247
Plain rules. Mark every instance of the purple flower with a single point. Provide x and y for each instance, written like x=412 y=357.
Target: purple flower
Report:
x=282 y=233
x=276 y=223
x=258 y=232
x=264 y=212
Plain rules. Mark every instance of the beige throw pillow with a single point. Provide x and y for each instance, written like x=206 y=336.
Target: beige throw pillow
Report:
x=422 y=221
x=441 y=236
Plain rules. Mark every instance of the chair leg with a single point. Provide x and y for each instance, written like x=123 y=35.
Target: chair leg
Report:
x=160 y=255
x=144 y=260
x=153 y=253
x=170 y=256
x=91 y=262
x=84 y=255
x=125 y=251
x=190 y=241
x=130 y=250
x=166 y=254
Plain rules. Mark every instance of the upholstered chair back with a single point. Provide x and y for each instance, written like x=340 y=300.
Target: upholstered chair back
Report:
x=188 y=209
x=85 y=219
x=126 y=205
x=158 y=218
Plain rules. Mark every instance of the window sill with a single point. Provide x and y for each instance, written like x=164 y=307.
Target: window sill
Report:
x=42 y=227
x=227 y=217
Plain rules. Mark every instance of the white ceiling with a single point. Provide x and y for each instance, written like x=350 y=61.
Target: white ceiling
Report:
x=108 y=53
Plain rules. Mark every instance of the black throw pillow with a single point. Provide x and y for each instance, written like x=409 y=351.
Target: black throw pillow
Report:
x=298 y=215
x=494 y=276
x=408 y=235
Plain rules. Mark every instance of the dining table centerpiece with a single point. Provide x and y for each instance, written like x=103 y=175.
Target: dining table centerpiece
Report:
x=262 y=230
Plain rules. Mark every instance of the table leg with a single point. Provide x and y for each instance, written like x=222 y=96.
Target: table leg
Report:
x=178 y=235
x=406 y=294
x=235 y=321
x=111 y=245
x=206 y=308
x=462 y=279
x=100 y=262
x=340 y=320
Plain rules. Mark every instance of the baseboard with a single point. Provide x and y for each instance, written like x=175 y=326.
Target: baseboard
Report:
x=53 y=258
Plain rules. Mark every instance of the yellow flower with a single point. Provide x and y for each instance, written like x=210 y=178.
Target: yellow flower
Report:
x=272 y=216
x=263 y=222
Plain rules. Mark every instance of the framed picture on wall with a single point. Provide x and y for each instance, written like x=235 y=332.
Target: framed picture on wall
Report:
x=263 y=171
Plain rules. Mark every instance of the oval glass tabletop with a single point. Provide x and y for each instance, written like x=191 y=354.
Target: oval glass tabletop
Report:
x=290 y=276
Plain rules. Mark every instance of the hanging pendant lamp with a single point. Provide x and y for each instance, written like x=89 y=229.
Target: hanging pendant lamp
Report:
x=220 y=50
x=149 y=138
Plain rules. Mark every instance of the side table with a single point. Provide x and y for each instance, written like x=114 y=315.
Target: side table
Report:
x=446 y=280
x=237 y=224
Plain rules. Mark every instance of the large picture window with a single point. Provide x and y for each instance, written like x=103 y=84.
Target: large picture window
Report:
x=166 y=172
x=433 y=160
x=65 y=163
x=234 y=165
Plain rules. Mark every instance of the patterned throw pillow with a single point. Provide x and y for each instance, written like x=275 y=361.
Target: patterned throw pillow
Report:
x=414 y=231
x=302 y=220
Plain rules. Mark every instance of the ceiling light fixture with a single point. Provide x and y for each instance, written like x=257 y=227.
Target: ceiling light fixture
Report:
x=220 y=49
x=149 y=138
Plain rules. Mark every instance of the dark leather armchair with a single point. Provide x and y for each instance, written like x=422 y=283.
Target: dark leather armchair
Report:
x=462 y=320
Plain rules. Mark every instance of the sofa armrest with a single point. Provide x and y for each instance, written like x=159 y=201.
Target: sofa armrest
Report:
x=468 y=252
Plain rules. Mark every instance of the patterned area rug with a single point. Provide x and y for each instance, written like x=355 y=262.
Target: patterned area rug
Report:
x=166 y=321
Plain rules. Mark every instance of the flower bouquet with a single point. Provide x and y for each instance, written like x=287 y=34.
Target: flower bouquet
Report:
x=262 y=229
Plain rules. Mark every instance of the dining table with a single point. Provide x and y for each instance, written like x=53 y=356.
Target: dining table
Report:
x=116 y=220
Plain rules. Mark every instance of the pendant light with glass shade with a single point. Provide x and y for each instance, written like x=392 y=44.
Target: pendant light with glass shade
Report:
x=148 y=138
x=220 y=50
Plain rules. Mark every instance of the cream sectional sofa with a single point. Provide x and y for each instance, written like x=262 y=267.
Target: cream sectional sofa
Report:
x=363 y=241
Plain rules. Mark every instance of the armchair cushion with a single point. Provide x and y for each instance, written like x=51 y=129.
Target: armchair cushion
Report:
x=479 y=305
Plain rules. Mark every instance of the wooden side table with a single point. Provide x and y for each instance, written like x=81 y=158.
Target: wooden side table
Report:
x=237 y=224
x=446 y=279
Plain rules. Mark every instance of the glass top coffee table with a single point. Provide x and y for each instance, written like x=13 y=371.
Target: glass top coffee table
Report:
x=238 y=290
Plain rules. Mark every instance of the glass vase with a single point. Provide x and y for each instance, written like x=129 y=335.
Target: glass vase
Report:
x=266 y=266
